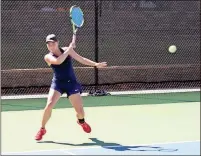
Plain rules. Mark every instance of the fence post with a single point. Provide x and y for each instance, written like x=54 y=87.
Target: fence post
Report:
x=96 y=41
x=97 y=91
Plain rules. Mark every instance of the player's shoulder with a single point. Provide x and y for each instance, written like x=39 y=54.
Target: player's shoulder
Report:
x=48 y=55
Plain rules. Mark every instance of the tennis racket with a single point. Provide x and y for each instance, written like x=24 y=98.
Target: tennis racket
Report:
x=77 y=18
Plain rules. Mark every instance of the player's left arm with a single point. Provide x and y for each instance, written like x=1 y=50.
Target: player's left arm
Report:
x=86 y=61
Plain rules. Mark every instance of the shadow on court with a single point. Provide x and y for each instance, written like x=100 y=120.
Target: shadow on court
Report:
x=115 y=146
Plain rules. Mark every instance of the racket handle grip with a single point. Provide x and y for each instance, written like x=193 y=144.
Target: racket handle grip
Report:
x=73 y=40
x=75 y=31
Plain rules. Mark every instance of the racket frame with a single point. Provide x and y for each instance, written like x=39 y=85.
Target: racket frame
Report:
x=75 y=27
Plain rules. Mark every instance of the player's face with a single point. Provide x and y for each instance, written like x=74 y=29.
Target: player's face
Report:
x=52 y=46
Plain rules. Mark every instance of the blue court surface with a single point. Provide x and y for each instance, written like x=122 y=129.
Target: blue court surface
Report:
x=174 y=148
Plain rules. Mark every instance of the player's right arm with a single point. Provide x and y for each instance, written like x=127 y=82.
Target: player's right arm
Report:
x=52 y=60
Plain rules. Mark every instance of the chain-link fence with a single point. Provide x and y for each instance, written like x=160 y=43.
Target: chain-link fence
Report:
x=132 y=36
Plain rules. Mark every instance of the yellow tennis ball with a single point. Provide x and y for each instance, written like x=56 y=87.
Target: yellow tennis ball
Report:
x=172 y=49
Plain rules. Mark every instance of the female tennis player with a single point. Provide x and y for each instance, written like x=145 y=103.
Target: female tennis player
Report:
x=64 y=81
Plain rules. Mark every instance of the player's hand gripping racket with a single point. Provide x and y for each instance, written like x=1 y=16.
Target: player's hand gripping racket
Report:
x=77 y=18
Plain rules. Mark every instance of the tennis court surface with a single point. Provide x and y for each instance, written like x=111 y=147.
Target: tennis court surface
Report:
x=154 y=106
x=146 y=123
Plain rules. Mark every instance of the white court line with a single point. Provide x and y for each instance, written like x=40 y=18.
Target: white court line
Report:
x=67 y=152
x=65 y=149
x=112 y=93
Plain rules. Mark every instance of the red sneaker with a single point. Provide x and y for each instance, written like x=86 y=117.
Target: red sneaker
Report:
x=85 y=127
x=40 y=134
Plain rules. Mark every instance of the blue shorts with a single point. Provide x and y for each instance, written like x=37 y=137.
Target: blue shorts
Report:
x=67 y=87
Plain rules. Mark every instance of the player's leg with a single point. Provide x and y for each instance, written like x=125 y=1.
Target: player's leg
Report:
x=76 y=101
x=52 y=99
